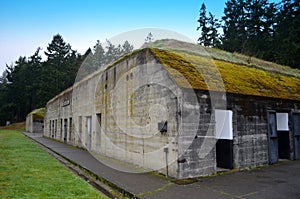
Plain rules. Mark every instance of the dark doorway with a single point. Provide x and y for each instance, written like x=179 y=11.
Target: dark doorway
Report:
x=296 y=133
x=61 y=129
x=98 y=134
x=272 y=137
x=283 y=144
x=71 y=136
x=65 y=130
x=224 y=153
x=80 y=131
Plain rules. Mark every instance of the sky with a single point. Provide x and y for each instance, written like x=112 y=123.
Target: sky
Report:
x=26 y=25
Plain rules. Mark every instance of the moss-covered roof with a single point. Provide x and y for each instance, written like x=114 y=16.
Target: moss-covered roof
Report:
x=202 y=71
x=196 y=67
x=38 y=113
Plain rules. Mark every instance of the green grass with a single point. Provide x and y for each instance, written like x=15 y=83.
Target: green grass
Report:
x=28 y=172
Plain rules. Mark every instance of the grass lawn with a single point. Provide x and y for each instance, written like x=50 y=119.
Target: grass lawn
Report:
x=26 y=171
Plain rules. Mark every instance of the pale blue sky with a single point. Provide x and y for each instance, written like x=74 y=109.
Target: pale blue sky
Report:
x=28 y=24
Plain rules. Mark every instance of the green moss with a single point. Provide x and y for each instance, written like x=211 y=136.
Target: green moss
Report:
x=217 y=54
x=199 y=72
x=38 y=113
x=182 y=71
x=196 y=67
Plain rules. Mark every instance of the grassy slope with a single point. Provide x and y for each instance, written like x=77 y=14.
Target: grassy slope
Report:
x=28 y=172
x=14 y=126
x=217 y=54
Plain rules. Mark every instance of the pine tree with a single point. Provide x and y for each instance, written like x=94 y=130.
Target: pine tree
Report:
x=208 y=26
x=287 y=34
x=58 y=70
x=127 y=47
x=98 y=56
x=234 y=27
x=203 y=39
x=213 y=35
x=149 y=38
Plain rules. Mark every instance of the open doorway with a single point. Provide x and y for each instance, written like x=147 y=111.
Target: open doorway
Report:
x=98 y=132
x=283 y=133
x=278 y=136
x=224 y=136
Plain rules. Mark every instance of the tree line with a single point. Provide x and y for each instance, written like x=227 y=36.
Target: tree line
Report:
x=253 y=27
x=256 y=28
x=29 y=82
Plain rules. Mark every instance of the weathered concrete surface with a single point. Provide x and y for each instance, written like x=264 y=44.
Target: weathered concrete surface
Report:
x=35 y=121
x=118 y=112
x=277 y=181
x=124 y=105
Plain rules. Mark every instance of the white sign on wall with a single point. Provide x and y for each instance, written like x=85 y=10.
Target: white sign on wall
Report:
x=224 y=124
x=282 y=121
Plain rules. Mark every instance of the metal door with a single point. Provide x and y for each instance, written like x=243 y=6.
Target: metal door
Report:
x=296 y=130
x=89 y=131
x=273 y=138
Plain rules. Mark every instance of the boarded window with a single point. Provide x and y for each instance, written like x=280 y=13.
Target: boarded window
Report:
x=224 y=124
x=282 y=120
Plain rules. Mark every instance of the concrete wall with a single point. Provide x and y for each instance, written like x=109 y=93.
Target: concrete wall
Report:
x=250 y=127
x=197 y=151
x=34 y=126
x=29 y=122
x=196 y=139
x=57 y=118
x=127 y=104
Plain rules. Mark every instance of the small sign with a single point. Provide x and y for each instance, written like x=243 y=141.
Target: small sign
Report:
x=66 y=103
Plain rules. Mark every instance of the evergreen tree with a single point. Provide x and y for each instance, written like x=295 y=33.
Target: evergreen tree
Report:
x=203 y=39
x=213 y=35
x=234 y=27
x=58 y=70
x=287 y=34
x=149 y=38
x=5 y=104
x=257 y=38
x=34 y=81
x=111 y=53
x=127 y=48
x=17 y=88
x=209 y=28
x=98 y=56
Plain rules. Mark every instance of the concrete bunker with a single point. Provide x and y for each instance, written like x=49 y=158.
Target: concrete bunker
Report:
x=35 y=121
x=152 y=108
